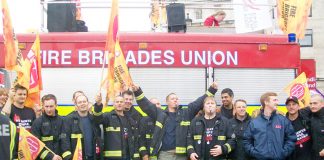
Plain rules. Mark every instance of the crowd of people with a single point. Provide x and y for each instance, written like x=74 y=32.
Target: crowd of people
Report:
x=200 y=130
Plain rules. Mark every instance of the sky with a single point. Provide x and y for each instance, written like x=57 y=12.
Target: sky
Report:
x=27 y=15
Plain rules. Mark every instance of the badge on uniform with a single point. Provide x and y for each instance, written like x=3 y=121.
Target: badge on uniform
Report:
x=199 y=141
x=233 y=136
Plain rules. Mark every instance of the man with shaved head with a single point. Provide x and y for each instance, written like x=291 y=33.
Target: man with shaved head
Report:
x=317 y=125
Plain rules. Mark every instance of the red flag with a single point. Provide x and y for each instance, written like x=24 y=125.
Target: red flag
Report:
x=29 y=146
x=110 y=46
x=78 y=151
x=9 y=38
x=34 y=67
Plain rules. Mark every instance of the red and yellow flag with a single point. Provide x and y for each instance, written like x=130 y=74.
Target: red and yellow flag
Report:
x=13 y=56
x=33 y=66
x=78 y=151
x=78 y=10
x=293 y=15
x=299 y=88
x=118 y=76
x=29 y=146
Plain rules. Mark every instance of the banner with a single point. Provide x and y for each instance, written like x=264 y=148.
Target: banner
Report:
x=78 y=151
x=293 y=15
x=29 y=146
x=252 y=16
x=158 y=15
x=299 y=88
x=34 y=67
x=118 y=76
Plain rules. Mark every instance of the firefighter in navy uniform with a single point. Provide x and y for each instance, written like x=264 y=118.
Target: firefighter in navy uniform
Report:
x=239 y=123
x=119 y=131
x=7 y=138
x=210 y=135
x=170 y=140
x=48 y=129
x=146 y=129
x=80 y=124
x=317 y=126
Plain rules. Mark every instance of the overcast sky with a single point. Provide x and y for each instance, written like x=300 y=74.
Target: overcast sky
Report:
x=26 y=15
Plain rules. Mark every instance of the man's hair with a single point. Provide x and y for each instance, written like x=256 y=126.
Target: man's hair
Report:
x=81 y=96
x=228 y=91
x=49 y=97
x=20 y=87
x=3 y=91
x=128 y=92
x=220 y=13
x=74 y=94
x=210 y=98
x=239 y=100
x=321 y=98
x=266 y=97
x=167 y=97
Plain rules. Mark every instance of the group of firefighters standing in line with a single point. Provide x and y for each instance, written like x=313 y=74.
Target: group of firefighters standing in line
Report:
x=178 y=132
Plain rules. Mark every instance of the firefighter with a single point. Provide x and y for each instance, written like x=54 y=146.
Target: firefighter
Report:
x=210 y=135
x=119 y=129
x=146 y=129
x=48 y=129
x=317 y=125
x=170 y=142
x=238 y=124
x=79 y=124
x=7 y=137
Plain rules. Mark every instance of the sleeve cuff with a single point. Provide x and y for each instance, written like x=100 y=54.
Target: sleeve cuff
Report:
x=211 y=91
x=139 y=94
x=98 y=108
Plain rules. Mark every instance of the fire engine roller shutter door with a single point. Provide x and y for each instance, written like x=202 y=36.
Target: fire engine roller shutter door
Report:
x=250 y=84
x=62 y=82
x=187 y=83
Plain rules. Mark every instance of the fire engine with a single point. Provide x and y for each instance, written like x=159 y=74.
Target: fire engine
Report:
x=161 y=63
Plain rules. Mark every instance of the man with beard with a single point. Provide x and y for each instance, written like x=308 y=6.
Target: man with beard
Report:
x=301 y=123
x=227 y=96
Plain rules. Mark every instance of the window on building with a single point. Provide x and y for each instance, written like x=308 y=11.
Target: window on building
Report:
x=198 y=13
x=308 y=39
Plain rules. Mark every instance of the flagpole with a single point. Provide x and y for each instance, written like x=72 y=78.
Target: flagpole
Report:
x=102 y=71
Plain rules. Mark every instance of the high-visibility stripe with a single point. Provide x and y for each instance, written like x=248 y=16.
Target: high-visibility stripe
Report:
x=148 y=136
x=151 y=150
x=181 y=149
x=12 y=138
x=136 y=155
x=157 y=123
x=49 y=138
x=184 y=107
x=229 y=149
x=185 y=123
x=140 y=97
x=208 y=93
x=65 y=154
x=143 y=148
x=190 y=147
x=117 y=153
x=76 y=136
x=44 y=154
x=221 y=138
x=97 y=113
x=112 y=129
x=197 y=137
x=153 y=157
